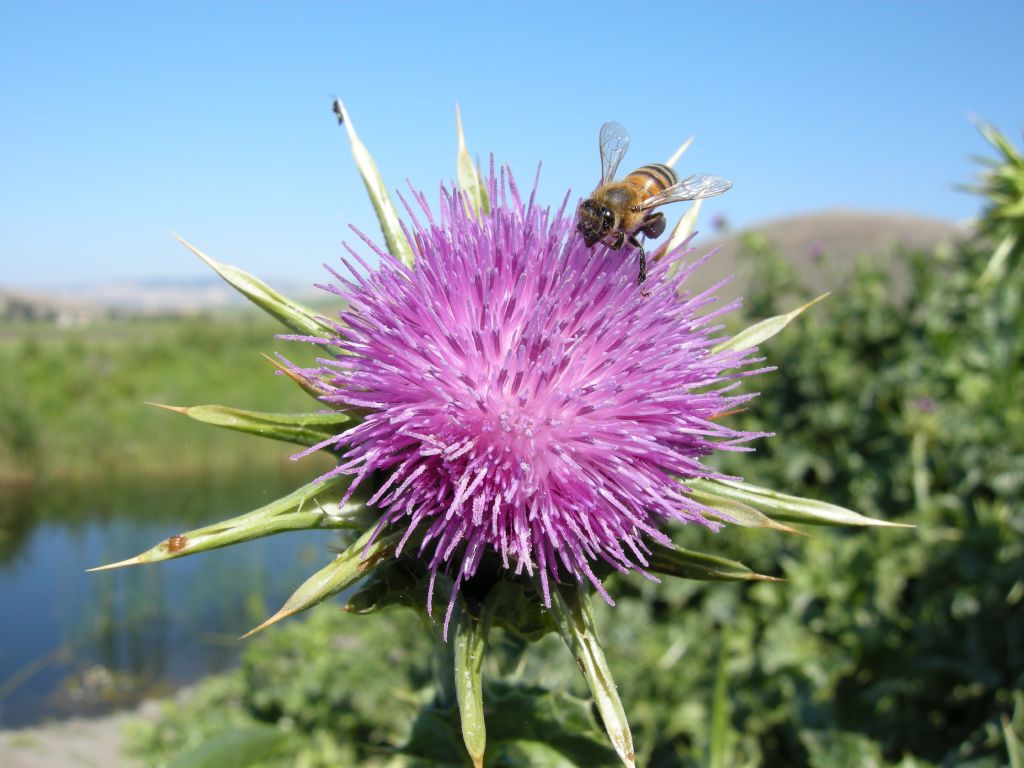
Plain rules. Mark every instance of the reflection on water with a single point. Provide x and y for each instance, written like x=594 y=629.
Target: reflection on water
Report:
x=78 y=643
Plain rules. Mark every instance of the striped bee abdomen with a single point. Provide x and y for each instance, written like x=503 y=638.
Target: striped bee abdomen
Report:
x=652 y=179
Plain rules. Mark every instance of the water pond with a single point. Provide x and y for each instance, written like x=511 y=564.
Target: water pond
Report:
x=73 y=642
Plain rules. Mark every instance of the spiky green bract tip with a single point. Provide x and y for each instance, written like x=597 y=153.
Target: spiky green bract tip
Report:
x=137 y=560
x=305 y=429
x=686 y=564
x=346 y=569
x=469 y=641
x=679 y=152
x=760 y=332
x=792 y=509
x=394 y=237
x=315 y=505
x=310 y=386
x=300 y=319
x=738 y=513
x=570 y=607
x=470 y=182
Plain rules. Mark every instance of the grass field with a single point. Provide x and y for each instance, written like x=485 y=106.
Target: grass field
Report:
x=73 y=400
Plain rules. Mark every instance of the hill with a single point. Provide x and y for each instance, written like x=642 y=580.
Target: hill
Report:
x=822 y=247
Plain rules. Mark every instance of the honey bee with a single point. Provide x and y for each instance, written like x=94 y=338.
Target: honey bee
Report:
x=618 y=211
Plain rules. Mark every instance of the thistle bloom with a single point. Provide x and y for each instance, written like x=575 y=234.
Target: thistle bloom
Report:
x=525 y=410
x=524 y=397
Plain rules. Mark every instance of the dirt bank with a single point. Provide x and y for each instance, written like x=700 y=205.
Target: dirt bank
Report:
x=75 y=743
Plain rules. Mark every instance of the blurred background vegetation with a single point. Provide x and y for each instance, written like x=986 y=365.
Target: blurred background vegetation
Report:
x=880 y=648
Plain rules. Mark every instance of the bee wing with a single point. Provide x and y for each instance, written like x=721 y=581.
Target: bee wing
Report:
x=614 y=141
x=691 y=188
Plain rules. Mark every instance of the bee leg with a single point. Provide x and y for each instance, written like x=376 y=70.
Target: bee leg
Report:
x=617 y=241
x=653 y=225
x=643 y=261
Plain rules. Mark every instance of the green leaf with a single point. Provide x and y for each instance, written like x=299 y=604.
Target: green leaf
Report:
x=736 y=512
x=535 y=754
x=997 y=263
x=346 y=569
x=469 y=179
x=434 y=740
x=570 y=608
x=994 y=137
x=397 y=244
x=468 y=649
x=686 y=564
x=792 y=509
x=300 y=319
x=527 y=726
x=718 y=744
x=829 y=748
x=1014 y=750
x=238 y=747
x=300 y=428
x=312 y=506
x=764 y=330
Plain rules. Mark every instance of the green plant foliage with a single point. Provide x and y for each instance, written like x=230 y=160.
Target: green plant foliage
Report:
x=345 y=689
x=1002 y=185
x=527 y=725
x=907 y=410
x=340 y=690
x=245 y=747
x=830 y=748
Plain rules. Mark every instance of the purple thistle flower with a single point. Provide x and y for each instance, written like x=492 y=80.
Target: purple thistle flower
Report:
x=524 y=397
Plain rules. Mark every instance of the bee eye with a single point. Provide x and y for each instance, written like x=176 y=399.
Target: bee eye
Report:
x=609 y=217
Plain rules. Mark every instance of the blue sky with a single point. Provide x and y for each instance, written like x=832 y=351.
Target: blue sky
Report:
x=122 y=121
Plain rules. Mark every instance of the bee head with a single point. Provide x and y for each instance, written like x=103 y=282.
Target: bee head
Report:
x=595 y=221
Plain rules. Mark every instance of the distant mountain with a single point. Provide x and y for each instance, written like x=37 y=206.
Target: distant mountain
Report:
x=823 y=246
x=183 y=296
x=16 y=304
x=82 y=303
